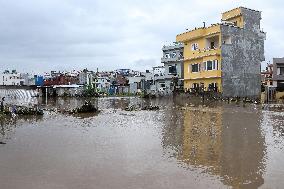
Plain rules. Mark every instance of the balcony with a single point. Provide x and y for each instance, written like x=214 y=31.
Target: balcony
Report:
x=204 y=74
x=158 y=77
x=198 y=33
x=173 y=46
x=204 y=53
x=175 y=59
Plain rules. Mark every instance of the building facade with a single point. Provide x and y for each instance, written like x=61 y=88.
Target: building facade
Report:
x=135 y=84
x=102 y=84
x=158 y=86
x=173 y=64
x=225 y=57
x=11 y=78
x=278 y=73
x=86 y=77
x=266 y=76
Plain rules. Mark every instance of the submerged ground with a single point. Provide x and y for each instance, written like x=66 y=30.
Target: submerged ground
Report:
x=179 y=146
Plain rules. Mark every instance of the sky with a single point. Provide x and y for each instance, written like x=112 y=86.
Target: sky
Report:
x=38 y=36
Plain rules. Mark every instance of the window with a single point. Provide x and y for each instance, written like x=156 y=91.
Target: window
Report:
x=195 y=85
x=163 y=85
x=209 y=65
x=195 y=67
x=173 y=55
x=167 y=55
x=213 y=87
x=181 y=54
x=172 y=70
x=194 y=46
x=280 y=71
x=212 y=45
x=215 y=64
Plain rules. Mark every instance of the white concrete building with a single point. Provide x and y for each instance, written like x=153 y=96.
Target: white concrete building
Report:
x=135 y=84
x=159 y=71
x=11 y=78
x=102 y=84
x=28 y=79
x=86 y=78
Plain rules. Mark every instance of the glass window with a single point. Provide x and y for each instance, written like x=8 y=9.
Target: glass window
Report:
x=194 y=46
x=195 y=85
x=172 y=70
x=209 y=65
x=195 y=68
x=281 y=71
x=173 y=55
x=215 y=65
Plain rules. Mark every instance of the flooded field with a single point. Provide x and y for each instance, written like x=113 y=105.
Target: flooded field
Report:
x=179 y=146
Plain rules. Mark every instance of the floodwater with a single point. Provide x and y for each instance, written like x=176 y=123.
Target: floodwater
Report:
x=179 y=146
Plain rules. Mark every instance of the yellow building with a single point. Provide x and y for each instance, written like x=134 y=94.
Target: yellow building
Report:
x=208 y=54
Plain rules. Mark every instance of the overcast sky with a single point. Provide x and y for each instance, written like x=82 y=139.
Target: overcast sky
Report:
x=44 y=35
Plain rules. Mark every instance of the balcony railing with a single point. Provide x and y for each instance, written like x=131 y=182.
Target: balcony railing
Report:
x=204 y=74
x=163 y=59
x=203 y=53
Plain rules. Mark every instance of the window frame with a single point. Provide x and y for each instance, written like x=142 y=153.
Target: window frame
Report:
x=194 y=46
x=198 y=67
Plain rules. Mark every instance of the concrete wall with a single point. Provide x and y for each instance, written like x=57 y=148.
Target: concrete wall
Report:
x=61 y=92
x=241 y=60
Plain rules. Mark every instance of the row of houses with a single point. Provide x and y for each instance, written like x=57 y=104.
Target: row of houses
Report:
x=13 y=78
x=224 y=58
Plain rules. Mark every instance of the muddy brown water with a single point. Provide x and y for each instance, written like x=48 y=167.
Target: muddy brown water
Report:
x=179 y=146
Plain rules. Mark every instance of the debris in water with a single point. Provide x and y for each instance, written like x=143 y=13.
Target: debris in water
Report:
x=88 y=107
x=22 y=110
x=150 y=107
x=134 y=108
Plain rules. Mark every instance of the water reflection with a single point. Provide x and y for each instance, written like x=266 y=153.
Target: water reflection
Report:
x=8 y=125
x=224 y=141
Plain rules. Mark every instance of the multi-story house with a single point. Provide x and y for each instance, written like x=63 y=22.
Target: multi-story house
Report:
x=266 y=76
x=102 y=84
x=11 y=78
x=86 y=77
x=158 y=86
x=278 y=73
x=136 y=83
x=173 y=64
x=226 y=57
